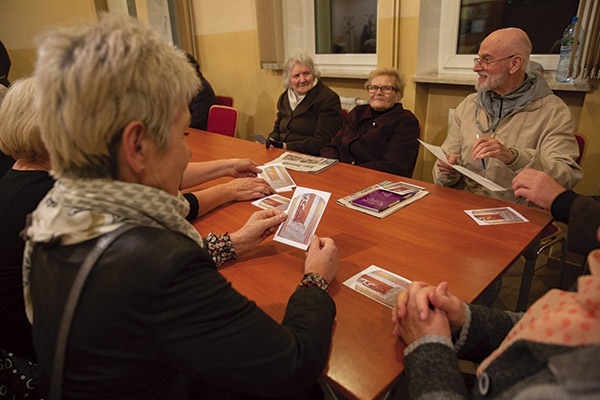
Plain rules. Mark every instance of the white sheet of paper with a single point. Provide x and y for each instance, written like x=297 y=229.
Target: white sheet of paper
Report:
x=439 y=153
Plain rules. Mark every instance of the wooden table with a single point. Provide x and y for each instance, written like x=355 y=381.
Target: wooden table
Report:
x=430 y=240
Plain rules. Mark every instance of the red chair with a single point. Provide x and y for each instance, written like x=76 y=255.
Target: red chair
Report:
x=222 y=120
x=225 y=101
x=581 y=144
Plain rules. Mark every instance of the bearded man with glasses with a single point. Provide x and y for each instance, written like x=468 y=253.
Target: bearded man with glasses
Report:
x=512 y=122
x=381 y=135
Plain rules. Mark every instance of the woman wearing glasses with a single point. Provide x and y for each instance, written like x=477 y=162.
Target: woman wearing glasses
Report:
x=381 y=135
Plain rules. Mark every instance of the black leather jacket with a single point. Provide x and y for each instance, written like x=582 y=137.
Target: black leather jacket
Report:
x=155 y=307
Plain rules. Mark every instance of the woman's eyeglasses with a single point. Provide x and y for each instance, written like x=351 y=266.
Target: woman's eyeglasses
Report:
x=384 y=89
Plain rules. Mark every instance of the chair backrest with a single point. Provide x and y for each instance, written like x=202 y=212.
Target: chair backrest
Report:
x=581 y=144
x=225 y=101
x=222 y=120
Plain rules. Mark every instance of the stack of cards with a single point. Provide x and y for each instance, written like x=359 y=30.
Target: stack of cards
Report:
x=278 y=177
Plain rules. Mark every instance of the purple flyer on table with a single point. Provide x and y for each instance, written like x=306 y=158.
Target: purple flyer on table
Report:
x=378 y=200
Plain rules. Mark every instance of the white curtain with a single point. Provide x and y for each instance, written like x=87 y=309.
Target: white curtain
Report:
x=588 y=65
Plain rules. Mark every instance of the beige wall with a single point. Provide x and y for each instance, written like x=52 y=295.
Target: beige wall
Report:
x=23 y=20
x=589 y=127
x=255 y=91
x=227 y=45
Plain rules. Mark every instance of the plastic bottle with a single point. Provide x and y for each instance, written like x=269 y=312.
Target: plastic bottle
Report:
x=566 y=47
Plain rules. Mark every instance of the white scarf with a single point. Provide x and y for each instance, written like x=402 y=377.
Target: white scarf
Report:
x=75 y=211
x=295 y=98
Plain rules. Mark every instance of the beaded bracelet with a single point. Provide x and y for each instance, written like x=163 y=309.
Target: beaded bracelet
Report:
x=313 y=279
x=220 y=248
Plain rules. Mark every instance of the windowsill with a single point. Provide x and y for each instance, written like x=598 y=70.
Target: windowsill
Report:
x=344 y=74
x=345 y=71
x=469 y=80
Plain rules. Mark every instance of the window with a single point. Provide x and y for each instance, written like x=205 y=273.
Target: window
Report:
x=341 y=35
x=345 y=26
x=465 y=23
x=479 y=18
x=171 y=18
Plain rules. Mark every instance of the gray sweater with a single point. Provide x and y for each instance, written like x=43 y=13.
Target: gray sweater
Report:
x=526 y=370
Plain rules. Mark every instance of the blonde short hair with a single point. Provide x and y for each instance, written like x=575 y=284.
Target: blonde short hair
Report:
x=19 y=131
x=399 y=81
x=94 y=80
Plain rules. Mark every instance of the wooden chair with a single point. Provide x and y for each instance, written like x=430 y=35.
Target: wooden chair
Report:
x=222 y=120
x=225 y=101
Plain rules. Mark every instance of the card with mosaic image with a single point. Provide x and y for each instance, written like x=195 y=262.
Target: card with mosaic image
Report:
x=304 y=214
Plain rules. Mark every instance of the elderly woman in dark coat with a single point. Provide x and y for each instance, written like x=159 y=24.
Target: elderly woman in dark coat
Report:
x=380 y=135
x=308 y=112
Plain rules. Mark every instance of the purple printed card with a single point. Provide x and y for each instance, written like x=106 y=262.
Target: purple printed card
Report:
x=378 y=200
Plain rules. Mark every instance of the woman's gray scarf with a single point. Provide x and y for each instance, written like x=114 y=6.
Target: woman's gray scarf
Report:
x=75 y=211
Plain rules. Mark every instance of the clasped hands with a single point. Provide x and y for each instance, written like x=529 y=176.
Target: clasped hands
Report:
x=424 y=309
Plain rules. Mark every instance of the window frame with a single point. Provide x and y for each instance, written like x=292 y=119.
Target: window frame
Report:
x=449 y=62
x=299 y=37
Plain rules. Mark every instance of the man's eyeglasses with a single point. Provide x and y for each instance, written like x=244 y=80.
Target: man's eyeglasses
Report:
x=487 y=63
x=384 y=89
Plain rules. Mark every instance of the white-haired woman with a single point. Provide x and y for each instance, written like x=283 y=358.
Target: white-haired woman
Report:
x=113 y=102
x=381 y=135
x=308 y=112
